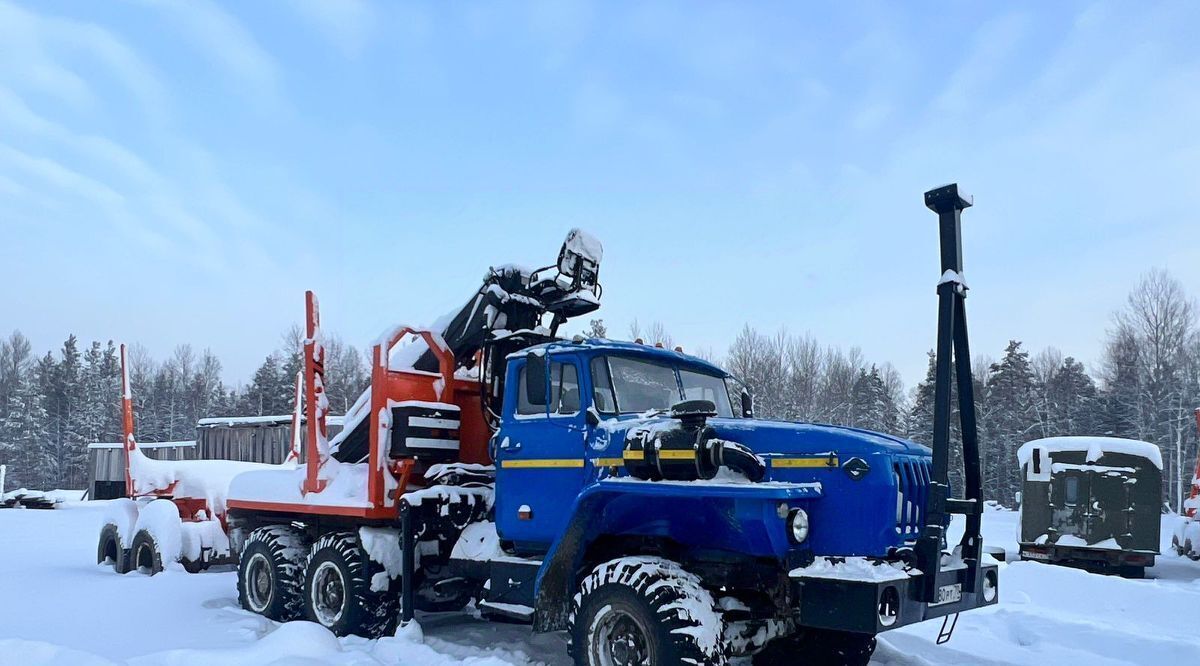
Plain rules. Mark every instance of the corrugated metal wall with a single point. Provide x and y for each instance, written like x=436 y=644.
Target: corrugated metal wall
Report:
x=108 y=464
x=248 y=442
x=265 y=443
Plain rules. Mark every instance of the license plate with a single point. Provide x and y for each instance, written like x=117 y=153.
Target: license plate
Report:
x=948 y=594
x=1034 y=555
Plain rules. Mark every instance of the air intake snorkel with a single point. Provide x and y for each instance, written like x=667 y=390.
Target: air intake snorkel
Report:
x=687 y=449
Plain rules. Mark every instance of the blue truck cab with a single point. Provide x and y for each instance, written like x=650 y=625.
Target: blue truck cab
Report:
x=864 y=488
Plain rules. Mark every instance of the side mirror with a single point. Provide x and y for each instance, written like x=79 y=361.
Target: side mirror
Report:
x=747 y=405
x=535 y=378
x=593 y=419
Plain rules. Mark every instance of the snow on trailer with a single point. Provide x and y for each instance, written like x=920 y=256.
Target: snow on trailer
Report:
x=1091 y=503
x=106 y=464
x=174 y=510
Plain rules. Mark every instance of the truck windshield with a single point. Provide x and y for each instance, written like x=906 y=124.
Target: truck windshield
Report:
x=699 y=386
x=640 y=386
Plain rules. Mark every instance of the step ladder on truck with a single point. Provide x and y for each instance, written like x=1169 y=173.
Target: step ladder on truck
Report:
x=617 y=491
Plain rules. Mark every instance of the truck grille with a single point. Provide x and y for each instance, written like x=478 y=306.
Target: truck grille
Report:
x=912 y=487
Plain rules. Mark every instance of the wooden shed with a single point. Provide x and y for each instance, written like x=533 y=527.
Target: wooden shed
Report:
x=106 y=464
x=264 y=439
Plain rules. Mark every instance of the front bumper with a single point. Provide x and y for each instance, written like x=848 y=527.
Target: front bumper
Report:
x=874 y=606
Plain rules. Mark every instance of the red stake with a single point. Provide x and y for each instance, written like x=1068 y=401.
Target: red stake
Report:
x=315 y=401
x=127 y=420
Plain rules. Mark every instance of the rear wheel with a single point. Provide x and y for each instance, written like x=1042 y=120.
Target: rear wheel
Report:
x=145 y=555
x=643 y=610
x=338 y=592
x=109 y=550
x=271 y=573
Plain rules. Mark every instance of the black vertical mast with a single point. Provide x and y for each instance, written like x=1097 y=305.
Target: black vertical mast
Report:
x=953 y=366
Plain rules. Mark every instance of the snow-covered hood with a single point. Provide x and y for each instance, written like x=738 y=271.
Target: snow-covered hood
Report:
x=784 y=438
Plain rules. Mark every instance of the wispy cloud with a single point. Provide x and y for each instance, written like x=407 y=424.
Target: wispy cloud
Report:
x=348 y=24
x=42 y=52
x=224 y=41
x=994 y=48
x=80 y=173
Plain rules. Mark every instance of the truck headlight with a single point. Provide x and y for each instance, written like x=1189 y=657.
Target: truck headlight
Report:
x=798 y=525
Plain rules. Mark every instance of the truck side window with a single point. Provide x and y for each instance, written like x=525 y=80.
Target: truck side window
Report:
x=602 y=390
x=564 y=388
x=524 y=407
x=1072 y=490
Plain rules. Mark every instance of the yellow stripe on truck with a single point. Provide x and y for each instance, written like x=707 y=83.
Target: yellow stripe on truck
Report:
x=806 y=461
x=608 y=462
x=542 y=463
x=671 y=454
x=634 y=455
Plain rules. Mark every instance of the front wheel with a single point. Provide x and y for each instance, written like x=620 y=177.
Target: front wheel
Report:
x=643 y=610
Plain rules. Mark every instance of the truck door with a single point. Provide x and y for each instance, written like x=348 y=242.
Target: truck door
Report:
x=539 y=457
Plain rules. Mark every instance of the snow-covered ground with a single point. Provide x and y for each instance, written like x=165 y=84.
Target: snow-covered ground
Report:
x=56 y=607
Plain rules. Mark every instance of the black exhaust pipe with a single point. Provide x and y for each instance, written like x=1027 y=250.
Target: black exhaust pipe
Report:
x=953 y=354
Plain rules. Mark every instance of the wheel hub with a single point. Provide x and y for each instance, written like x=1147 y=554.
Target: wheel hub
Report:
x=329 y=594
x=618 y=639
x=260 y=579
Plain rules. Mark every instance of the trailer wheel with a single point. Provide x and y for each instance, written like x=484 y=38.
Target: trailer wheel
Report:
x=109 y=550
x=644 y=610
x=271 y=573
x=818 y=648
x=145 y=555
x=337 y=589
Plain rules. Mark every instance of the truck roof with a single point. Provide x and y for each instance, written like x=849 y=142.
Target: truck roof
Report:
x=628 y=349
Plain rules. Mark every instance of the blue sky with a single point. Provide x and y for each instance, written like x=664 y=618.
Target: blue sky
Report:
x=181 y=171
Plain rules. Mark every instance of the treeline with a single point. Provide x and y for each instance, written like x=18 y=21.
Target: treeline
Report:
x=1145 y=386
x=53 y=406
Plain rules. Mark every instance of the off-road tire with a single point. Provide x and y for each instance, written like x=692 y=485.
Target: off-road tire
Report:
x=337 y=560
x=673 y=619
x=818 y=648
x=110 y=551
x=271 y=572
x=144 y=554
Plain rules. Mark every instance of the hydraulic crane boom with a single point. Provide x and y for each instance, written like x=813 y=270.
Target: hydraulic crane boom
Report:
x=514 y=298
x=503 y=316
